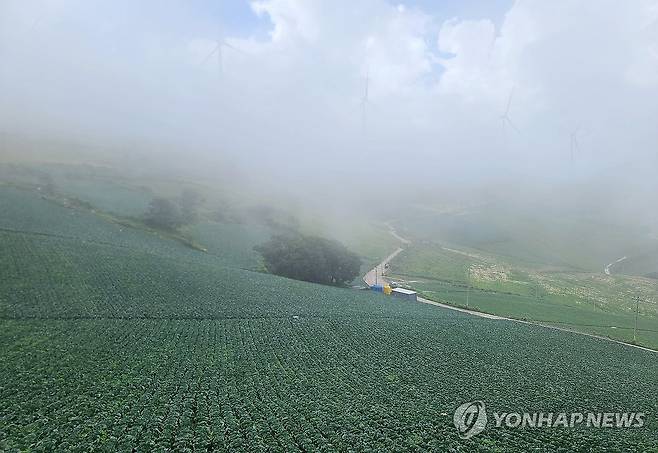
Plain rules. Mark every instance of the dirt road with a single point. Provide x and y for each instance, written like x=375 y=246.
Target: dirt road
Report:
x=463 y=310
x=394 y=233
x=607 y=268
x=375 y=276
x=546 y=326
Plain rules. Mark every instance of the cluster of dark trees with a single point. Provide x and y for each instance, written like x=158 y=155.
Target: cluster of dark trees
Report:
x=310 y=258
x=290 y=254
x=168 y=215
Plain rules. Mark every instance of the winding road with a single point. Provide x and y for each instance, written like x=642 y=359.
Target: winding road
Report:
x=376 y=275
x=607 y=268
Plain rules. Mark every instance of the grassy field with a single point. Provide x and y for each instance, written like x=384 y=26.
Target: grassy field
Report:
x=117 y=339
x=593 y=303
x=539 y=234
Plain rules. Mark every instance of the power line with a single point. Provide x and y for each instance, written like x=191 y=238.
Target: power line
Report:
x=637 y=307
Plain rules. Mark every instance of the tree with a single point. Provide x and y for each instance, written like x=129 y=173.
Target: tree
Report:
x=189 y=202
x=163 y=214
x=310 y=258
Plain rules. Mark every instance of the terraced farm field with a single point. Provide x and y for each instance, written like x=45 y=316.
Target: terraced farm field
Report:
x=119 y=340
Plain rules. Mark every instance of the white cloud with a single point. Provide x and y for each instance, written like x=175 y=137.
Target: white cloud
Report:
x=437 y=90
x=292 y=19
x=468 y=70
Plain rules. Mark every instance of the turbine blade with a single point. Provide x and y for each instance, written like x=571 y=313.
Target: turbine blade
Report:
x=211 y=53
x=509 y=102
x=509 y=121
x=232 y=47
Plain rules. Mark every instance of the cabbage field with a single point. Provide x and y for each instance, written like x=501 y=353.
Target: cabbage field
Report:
x=115 y=339
x=232 y=243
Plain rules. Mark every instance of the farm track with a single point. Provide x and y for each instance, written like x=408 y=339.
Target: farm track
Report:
x=376 y=275
x=541 y=324
x=60 y=236
x=301 y=318
x=607 y=268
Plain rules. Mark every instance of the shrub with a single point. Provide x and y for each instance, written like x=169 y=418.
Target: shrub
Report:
x=163 y=214
x=310 y=258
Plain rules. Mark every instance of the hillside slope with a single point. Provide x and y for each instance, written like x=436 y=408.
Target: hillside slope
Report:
x=118 y=339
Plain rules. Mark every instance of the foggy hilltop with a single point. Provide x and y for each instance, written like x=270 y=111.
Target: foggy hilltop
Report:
x=305 y=225
x=357 y=92
x=329 y=111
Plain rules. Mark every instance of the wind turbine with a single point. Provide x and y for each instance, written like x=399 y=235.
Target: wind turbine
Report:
x=505 y=119
x=574 y=145
x=365 y=101
x=221 y=43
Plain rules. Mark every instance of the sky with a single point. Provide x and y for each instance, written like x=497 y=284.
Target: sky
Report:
x=459 y=92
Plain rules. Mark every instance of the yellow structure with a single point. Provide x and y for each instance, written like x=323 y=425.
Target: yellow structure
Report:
x=387 y=290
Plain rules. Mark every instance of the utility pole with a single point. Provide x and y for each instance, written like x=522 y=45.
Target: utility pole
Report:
x=637 y=307
x=468 y=290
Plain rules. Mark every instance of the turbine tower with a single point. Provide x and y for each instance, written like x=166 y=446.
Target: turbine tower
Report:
x=365 y=101
x=574 y=146
x=505 y=119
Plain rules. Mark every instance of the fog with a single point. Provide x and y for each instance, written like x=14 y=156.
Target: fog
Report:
x=526 y=97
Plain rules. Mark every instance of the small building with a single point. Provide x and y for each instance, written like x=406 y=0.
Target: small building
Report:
x=404 y=294
x=377 y=288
